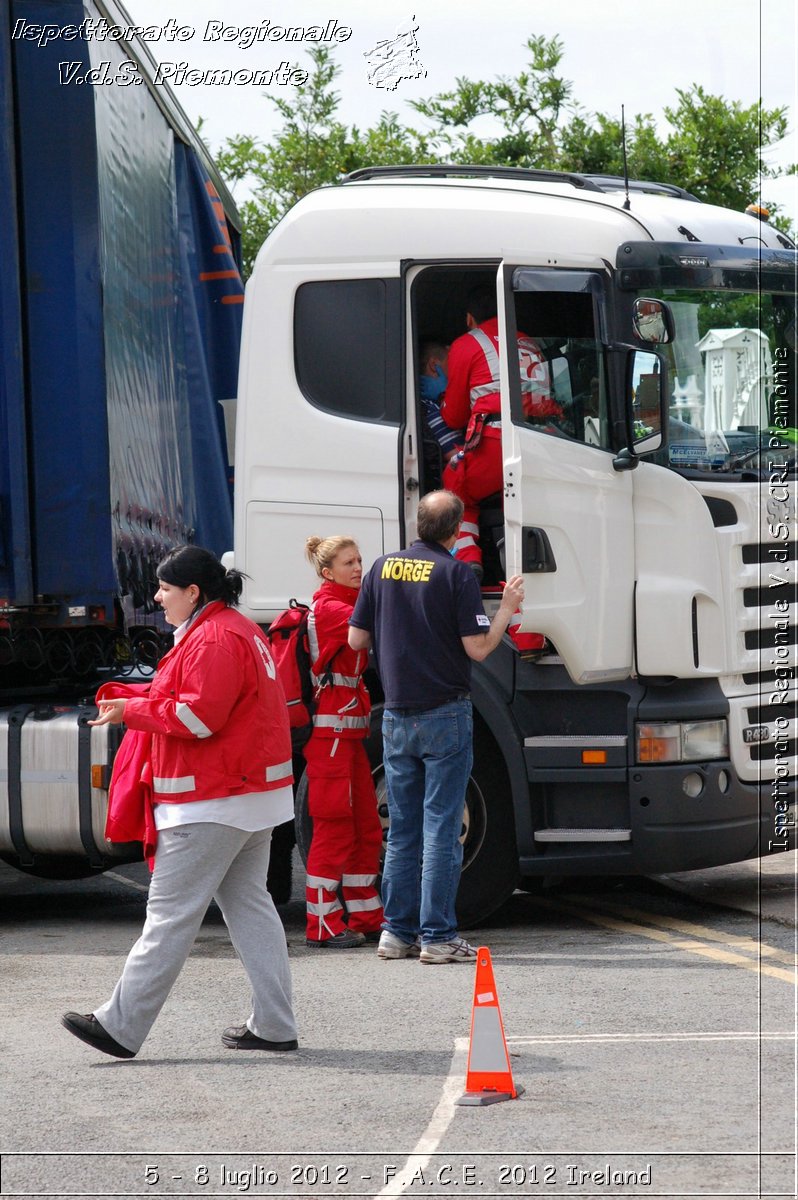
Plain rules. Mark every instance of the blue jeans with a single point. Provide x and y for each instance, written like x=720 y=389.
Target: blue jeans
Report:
x=428 y=757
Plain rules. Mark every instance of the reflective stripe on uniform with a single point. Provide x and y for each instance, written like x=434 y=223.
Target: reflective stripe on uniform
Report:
x=183 y=783
x=323 y=909
x=331 y=721
x=318 y=881
x=358 y=880
x=350 y=681
x=191 y=721
x=368 y=905
x=278 y=771
x=489 y=350
x=469 y=527
x=491 y=354
x=462 y=542
x=482 y=389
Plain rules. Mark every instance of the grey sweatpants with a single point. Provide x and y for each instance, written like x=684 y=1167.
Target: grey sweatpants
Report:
x=193 y=865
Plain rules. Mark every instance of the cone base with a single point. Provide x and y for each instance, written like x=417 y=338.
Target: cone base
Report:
x=481 y=1099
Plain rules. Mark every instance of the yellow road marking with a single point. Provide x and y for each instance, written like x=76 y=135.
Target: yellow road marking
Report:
x=710 y=935
x=657 y=935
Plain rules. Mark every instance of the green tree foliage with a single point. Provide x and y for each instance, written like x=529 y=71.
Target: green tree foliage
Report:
x=713 y=147
x=529 y=109
x=313 y=148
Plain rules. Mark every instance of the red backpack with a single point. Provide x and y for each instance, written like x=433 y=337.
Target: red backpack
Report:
x=290 y=649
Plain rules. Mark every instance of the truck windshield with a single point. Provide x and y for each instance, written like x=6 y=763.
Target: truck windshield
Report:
x=732 y=368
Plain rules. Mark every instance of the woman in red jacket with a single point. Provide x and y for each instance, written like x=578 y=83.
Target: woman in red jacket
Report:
x=347 y=835
x=221 y=781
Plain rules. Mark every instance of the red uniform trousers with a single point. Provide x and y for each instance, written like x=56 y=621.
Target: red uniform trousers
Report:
x=347 y=839
x=472 y=476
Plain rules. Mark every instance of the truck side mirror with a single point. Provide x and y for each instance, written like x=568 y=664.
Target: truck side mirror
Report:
x=652 y=321
x=645 y=402
x=645 y=408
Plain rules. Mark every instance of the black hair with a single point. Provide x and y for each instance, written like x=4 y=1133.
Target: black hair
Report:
x=191 y=564
x=431 y=348
x=481 y=302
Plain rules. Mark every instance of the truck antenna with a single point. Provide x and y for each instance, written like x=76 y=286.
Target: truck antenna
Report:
x=627 y=202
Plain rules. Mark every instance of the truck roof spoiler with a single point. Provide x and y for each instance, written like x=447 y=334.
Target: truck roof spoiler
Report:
x=591 y=183
x=457 y=171
x=611 y=182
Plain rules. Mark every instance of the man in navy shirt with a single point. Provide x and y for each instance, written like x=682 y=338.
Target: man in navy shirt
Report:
x=422 y=611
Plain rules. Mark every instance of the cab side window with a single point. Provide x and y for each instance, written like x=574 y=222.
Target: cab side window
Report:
x=346 y=347
x=566 y=392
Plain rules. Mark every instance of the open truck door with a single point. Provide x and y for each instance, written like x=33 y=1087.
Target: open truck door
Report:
x=568 y=511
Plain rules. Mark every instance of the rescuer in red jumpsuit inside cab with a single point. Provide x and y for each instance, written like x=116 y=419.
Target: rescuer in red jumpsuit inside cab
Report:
x=472 y=401
x=347 y=834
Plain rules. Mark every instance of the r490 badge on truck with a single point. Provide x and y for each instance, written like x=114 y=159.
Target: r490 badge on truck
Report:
x=755 y=733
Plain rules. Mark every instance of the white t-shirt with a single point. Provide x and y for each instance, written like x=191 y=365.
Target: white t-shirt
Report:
x=252 y=811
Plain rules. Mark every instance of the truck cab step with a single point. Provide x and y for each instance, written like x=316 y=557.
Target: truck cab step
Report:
x=583 y=835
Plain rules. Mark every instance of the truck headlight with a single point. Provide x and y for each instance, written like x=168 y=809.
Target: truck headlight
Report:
x=682 y=741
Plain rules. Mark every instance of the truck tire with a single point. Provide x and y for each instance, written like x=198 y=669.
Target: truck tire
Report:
x=490 y=858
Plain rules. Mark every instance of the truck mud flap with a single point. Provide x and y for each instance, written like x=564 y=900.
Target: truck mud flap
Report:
x=54 y=771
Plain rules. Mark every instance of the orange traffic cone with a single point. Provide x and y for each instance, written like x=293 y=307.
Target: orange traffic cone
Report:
x=488 y=1076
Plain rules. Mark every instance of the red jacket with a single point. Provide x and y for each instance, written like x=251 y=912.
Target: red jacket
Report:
x=130 y=816
x=216 y=712
x=342 y=700
x=473 y=377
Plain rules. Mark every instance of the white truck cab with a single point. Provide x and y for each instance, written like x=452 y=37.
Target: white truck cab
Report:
x=655 y=733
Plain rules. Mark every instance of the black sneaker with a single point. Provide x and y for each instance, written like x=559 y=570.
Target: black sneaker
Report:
x=90 y=1031
x=241 y=1037
x=345 y=940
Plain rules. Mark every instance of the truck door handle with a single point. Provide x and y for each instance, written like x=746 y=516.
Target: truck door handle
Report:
x=536 y=551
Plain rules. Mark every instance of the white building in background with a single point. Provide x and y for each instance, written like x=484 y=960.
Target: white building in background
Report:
x=737 y=375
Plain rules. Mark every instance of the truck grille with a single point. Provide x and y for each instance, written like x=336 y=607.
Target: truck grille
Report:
x=761 y=680
x=763 y=624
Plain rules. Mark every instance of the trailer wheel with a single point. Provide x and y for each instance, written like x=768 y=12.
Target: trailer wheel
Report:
x=490 y=858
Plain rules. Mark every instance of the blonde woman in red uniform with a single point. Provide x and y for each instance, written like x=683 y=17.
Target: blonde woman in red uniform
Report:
x=347 y=835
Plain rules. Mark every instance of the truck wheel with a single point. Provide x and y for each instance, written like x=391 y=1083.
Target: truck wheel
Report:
x=490 y=858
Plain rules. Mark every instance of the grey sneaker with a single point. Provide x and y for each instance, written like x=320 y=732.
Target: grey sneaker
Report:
x=392 y=946
x=445 y=952
x=345 y=940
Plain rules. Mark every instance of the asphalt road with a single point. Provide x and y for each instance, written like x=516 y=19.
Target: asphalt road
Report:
x=651 y=1024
